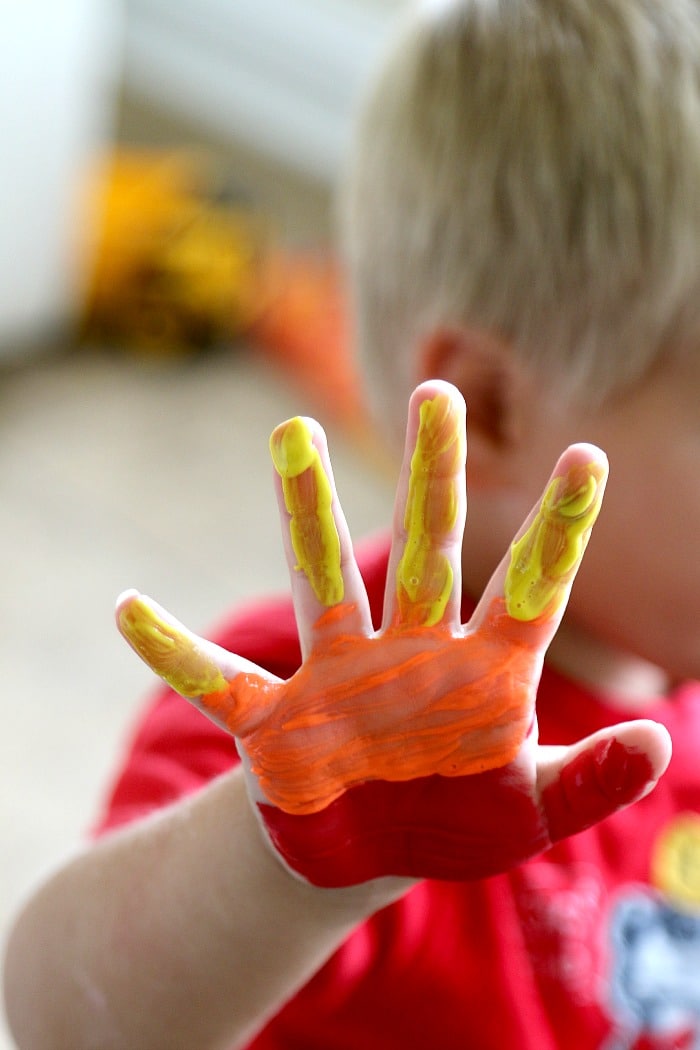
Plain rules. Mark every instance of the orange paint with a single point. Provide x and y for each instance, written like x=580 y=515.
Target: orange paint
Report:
x=411 y=714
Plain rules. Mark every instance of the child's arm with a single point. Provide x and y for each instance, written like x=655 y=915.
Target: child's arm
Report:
x=180 y=931
x=409 y=752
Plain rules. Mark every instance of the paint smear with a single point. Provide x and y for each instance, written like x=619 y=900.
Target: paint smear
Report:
x=308 y=498
x=604 y=777
x=169 y=650
x=436 y=828
x=423 y=704
x=424 y=577
x=411 y=713
x=544 y=561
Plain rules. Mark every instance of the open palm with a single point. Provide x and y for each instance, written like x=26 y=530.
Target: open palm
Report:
x=411 y=750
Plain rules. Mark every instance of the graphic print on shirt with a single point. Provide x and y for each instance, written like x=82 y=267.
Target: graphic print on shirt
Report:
x=559 y=907
x=654 y=982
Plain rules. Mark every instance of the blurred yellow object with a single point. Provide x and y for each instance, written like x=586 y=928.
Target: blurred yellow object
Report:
x=177 y=268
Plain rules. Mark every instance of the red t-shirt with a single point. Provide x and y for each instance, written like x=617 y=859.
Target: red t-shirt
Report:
x=592 y=945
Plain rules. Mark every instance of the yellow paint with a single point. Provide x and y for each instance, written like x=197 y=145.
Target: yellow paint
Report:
x=308 y=498
x=424 y=576
x=676 y=861
x=170 y=651
x=544 y=561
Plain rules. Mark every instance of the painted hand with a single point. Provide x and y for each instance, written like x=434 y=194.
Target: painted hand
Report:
x=412 y=750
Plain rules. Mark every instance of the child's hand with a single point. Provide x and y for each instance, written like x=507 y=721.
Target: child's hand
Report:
x=411 y=750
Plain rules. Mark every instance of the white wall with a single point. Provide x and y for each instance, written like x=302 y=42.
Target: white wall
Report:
x=279 y=75
x=58 y=73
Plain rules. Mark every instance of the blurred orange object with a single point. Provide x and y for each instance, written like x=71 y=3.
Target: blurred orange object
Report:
x=305 y=326
x=179 y=268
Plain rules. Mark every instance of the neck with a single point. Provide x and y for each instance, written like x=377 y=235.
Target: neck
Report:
x=623 y=680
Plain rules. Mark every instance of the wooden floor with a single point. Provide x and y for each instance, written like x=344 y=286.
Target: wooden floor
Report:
x=116 y=472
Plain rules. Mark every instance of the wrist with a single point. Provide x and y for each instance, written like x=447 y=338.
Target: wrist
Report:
x=348 y=904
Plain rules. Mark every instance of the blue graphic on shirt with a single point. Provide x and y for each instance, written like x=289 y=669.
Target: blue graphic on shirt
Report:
x=655 y=976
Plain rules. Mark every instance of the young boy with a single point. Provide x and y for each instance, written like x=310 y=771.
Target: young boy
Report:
x=523 y=223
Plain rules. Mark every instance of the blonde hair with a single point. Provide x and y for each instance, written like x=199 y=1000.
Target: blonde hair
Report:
x=532 y=168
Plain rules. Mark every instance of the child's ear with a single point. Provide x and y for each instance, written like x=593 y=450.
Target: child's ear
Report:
x=494 y=386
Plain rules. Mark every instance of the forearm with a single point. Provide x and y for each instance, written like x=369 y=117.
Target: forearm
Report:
x=181 y=931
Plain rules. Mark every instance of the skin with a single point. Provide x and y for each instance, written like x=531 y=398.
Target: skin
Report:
x=225 y=929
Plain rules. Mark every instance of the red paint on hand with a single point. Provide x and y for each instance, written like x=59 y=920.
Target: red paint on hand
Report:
x=436 y=827
x=595 y=783
x=457 y=828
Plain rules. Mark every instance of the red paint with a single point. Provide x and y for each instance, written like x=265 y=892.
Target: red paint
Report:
x=596 y=783
x=454 y=828
x=684 y=1040
x=437 y=827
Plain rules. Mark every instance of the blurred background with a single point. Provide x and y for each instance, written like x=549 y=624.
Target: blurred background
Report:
x=168 y=293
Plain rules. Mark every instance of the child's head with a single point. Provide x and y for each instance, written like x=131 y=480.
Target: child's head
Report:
x=523 y=219
x=531 y=169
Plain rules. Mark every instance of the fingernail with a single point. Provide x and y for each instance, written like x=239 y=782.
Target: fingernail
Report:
x=623 y=772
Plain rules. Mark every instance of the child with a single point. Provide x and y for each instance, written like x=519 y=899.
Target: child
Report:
x=523 y=223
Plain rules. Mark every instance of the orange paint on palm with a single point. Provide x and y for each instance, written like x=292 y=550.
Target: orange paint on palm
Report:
x=425 y=701
x=410 y=714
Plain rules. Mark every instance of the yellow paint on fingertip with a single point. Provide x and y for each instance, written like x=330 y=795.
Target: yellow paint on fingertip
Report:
x=308 y=497
x=424 y=576
x=292 y=448
x=544 y=560
x=169 y=651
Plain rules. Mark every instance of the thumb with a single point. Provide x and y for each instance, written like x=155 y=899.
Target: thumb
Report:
x=199 y=670
x=582 y=784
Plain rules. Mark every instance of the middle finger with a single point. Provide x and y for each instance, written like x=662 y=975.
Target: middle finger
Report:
x=424 y=578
